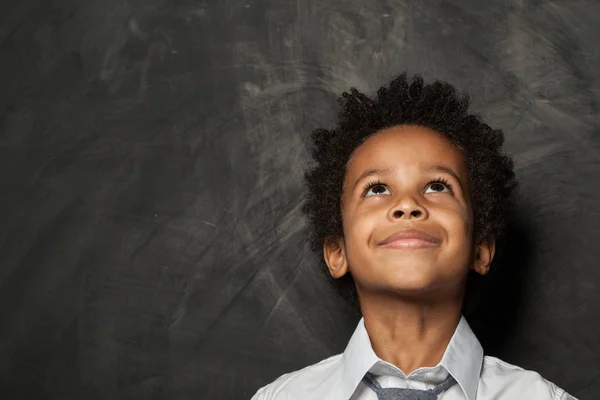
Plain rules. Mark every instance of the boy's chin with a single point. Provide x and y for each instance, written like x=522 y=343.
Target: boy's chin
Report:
x=408 y=262
x=417 y=292
x=412 y=277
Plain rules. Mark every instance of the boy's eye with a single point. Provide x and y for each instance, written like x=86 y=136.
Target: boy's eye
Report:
x=439 y=187
x=376 y=189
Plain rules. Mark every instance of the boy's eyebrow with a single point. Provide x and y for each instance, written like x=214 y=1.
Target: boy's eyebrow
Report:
x=442 y=168
x=389 y=171
x=371 y=172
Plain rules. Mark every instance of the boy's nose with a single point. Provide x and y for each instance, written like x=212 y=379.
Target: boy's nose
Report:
x=407 y=209
x=414 y=214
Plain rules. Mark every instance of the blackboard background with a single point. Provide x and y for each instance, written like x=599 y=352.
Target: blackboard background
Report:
x=151 y=156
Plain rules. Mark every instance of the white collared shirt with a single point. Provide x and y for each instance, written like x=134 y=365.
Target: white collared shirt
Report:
x=479 y=377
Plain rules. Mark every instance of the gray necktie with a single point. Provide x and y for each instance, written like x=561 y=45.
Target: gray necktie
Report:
x=407 y=394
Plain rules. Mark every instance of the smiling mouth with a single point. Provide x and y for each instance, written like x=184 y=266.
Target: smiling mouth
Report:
x=409 y=243
x=410 y=239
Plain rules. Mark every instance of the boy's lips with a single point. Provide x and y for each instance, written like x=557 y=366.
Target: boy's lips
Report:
x=410 y=238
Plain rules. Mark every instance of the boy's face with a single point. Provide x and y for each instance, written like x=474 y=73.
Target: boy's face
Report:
x=393 y=184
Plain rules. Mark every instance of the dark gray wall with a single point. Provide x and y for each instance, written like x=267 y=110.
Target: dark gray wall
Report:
x=151 y=155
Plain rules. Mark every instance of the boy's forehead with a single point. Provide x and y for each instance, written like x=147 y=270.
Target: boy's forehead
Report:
x=414 y=147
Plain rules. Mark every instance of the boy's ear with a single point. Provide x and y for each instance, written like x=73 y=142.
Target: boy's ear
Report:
x=334 y=252
x=484 y=254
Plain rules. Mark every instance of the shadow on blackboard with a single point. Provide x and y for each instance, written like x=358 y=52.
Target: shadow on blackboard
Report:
x=493 y=309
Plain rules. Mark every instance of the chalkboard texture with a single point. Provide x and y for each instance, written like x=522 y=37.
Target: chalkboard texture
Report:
x=151 y=161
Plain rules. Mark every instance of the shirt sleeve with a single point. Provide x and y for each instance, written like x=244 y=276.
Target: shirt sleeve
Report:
x=262 y=394
x=565 y=396
x=269 y=392
x=560 y=393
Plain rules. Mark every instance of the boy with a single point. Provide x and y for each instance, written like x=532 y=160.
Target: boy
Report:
x=409 y=193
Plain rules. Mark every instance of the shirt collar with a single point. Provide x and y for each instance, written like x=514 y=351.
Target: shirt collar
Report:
x=463 y=359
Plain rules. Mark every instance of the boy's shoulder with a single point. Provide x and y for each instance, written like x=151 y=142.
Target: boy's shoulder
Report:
x=497 y=377
x=510 y=379
x=308 y=381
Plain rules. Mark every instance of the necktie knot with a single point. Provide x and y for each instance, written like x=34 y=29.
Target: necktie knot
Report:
x=407 y=394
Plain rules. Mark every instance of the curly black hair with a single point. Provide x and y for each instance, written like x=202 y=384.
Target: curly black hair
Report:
x=437 y=106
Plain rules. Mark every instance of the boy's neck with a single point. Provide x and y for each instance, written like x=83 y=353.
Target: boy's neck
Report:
x=407 y=333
